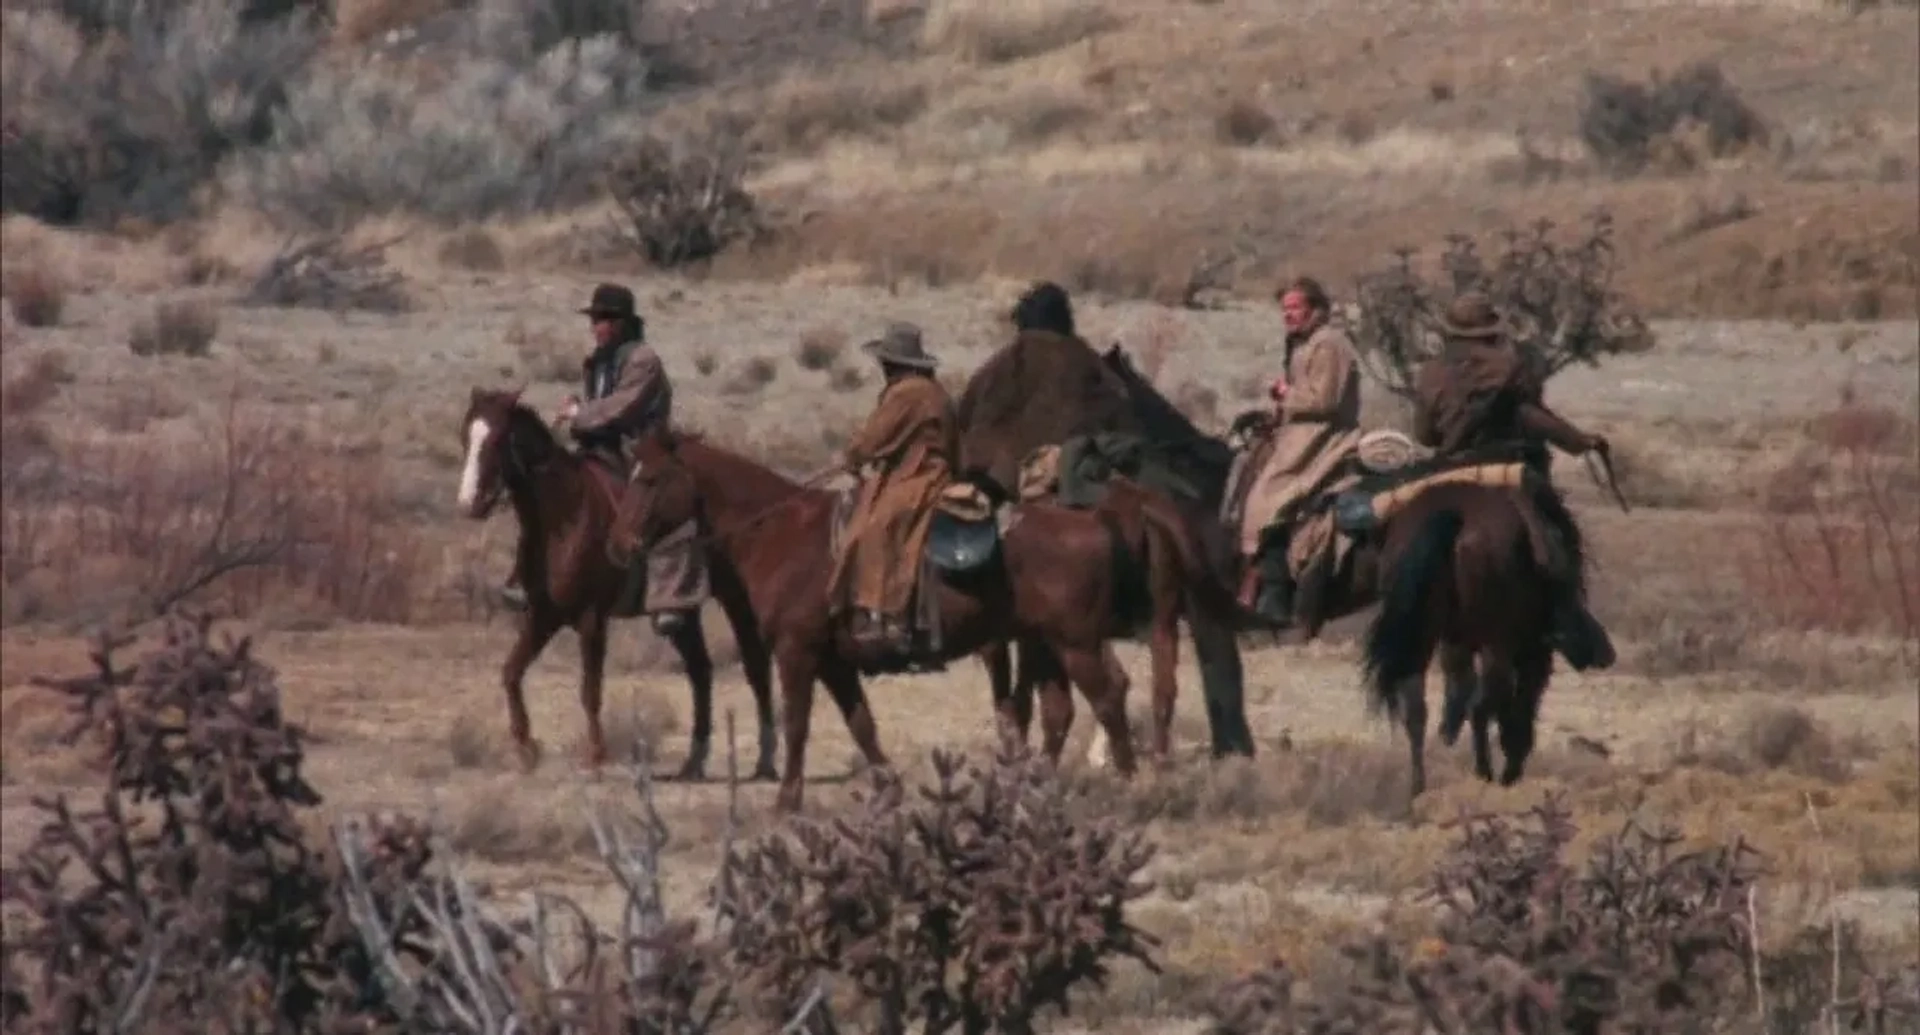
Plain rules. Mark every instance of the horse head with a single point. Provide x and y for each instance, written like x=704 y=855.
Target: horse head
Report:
x=504 y=442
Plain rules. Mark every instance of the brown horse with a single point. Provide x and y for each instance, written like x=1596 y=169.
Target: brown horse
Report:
x=566 y=504
x=1464 y=577
x=1058 y=577
x=1004 y=418
x=1182 y=585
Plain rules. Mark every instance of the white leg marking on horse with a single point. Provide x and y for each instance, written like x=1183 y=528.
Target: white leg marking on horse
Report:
x=1099 y=752
x=470 y=474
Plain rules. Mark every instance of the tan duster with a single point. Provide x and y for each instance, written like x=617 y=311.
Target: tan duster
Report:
x=911 y=440
x=641 y=399
x=1319 y=424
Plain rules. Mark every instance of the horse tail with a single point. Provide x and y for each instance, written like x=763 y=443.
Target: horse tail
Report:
x=1396 y=641
x=1133 y=594
x=1212 y=616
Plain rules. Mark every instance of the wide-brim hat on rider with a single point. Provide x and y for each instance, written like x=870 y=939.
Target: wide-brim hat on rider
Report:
x=901 y=346
x=611 y=302
x=1472 y=315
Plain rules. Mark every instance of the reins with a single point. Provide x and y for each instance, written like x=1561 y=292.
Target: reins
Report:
x=812 y=481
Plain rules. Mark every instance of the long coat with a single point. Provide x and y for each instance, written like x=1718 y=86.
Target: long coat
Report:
x=1319 y=424
x=910 y=441
x=1478 y=393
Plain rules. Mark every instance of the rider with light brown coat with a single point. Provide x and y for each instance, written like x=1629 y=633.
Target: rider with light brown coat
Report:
x=909 y=444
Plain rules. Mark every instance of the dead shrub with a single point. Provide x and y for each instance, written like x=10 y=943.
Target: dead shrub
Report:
x=1838 y=551
x=684 y=202
x=254 y=512
x=820 y=348
x=37 y=297
x=1245 y=124
x=847 y=379
x=1559 y=299
x=473 y=249
x=1627 y=125
x=323 y=273
x=1644 y=937
x=971 y=904
x=1785 y=737
x=176 y=329
x=753 y=374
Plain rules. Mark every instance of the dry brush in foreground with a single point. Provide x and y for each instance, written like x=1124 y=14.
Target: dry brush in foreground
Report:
x=200 y=897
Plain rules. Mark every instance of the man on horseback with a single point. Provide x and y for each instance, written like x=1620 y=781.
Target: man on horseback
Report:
x=1316 y=426
x=628 y=394
x=1484 y=392
x=908 y=448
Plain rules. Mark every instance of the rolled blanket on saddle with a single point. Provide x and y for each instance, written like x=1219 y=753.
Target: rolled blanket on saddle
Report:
x=1375 y=500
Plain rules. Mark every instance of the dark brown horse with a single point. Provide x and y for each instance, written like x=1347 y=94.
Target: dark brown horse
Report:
x=1464 y=576
x=1004 y=417
x=1058 y=577
x=566 y=504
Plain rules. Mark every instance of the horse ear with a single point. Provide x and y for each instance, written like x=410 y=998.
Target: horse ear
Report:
x=514 y=394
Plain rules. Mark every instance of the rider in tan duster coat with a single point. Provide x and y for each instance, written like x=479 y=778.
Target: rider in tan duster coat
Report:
x=909 y=444
x=1319 y=421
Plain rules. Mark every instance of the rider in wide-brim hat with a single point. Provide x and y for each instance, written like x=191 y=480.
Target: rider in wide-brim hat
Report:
x=1472 y=315
x=901 y=346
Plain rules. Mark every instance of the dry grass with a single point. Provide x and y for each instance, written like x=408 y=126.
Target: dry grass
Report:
x=176 y=329
x=1108 y=151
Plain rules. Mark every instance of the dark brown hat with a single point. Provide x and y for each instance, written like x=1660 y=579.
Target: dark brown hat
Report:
x=611 y=301
x=1472 y=315
x=901 y=346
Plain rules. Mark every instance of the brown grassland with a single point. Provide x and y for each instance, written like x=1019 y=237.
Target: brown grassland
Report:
x=919 y=160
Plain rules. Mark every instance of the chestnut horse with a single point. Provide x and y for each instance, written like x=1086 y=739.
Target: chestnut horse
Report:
x=566 y=504
x=1463 y=576
x=1058 y=577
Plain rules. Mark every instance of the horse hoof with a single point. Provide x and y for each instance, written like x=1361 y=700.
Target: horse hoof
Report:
x=528 y=752
x=765 y=774
x=693 y=771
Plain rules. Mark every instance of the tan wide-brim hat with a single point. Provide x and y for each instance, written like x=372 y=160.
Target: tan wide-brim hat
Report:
x=901 y=345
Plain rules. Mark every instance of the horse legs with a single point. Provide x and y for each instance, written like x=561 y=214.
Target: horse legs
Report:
x=843 y=682
x=1412 y=693
x=998 y=658
x=1165 y=649
x=1039 y=666
x=591 y=628
x=1463 y=691
x=1099 y=752
x=689 y=641
x=1521 y=708
x=1089 y=670
x=537 y=627
x=757 y=662
x=798 y=668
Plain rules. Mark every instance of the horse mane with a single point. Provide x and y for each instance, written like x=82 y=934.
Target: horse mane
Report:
x=1161 y=419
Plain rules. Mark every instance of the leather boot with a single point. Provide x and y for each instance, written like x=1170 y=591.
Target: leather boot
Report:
x=1274 y=603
